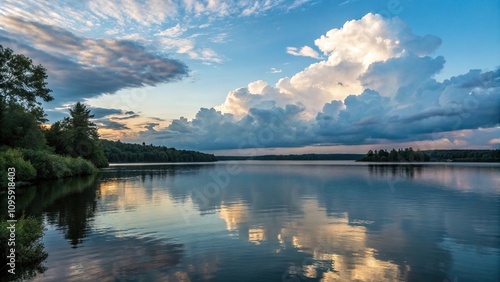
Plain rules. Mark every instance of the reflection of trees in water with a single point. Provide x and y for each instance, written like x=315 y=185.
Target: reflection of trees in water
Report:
x=148 y=171
x=69 y=206
x=400 y=171
x=73 y=209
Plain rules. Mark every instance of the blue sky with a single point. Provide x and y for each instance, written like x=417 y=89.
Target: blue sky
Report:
x=246 y=77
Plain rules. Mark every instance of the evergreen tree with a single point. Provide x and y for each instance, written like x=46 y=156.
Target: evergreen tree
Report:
x=77 y=136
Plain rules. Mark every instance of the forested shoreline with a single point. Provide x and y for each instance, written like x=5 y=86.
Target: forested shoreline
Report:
x=294 y=157
x=118 y=152
x=464 y=155
x=69 y=147
x=409 y=155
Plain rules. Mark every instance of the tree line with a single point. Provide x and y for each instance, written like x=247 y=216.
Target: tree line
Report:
x=118 y=152
x=400 y=155
x=302 y=157
x=465 y=155
x=409 y=155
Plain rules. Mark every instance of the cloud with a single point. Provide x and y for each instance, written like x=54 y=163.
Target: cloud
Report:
x=109 y=124
x=126 y=117
x=219 y=38
x=375 y=86
x=103 y=112
x=388 y=76
x=275 y=70
x=188 y=46
x=80 y=67
x=150 y=126
x=365 y=118
x=140 y=20
x=305 y=51
x=75 y=14
x=212 y=130
x=145 y=12
x=175 y=31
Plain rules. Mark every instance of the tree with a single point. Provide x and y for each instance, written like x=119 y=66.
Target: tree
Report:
x=77 y=136
x=21 y=84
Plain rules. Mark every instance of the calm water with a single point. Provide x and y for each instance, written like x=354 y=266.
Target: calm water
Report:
x=273 y=221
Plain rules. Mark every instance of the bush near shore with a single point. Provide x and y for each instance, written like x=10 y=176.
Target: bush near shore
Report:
x=34 y=165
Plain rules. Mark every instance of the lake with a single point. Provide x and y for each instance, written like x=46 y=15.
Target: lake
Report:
x=273 y=221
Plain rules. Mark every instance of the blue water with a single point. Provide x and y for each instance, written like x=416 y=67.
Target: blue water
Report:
x=274 y=221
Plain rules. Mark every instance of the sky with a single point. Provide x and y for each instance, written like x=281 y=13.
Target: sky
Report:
x=270 y=77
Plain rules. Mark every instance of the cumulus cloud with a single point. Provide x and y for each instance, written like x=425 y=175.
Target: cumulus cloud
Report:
x=376 y=85
x=80 y=67
x=260 y=128
x=305 y=51
x=350 y=51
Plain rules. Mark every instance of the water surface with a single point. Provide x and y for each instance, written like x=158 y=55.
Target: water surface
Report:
x=273 y=221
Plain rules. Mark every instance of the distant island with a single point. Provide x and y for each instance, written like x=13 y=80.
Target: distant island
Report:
x=401 y=155
x=409 y=155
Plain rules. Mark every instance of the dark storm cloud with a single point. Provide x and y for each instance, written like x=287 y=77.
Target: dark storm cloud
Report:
x=80 y=67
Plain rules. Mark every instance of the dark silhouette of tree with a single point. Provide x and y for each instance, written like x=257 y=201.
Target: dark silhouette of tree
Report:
x=21 y=84
x=77 y=136
x=118 y=152
x=401 y=155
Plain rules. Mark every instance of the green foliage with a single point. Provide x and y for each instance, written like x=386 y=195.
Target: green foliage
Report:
x=77 y=136
x=118 y=152
x=465 y=155
x=25 y=171
x=21 y=83
x=303 y=157
x=401 y=155
x=51 y=166
x=20 y=128
x=80 y=166
x=21 y=116
x=408 y=155
x=33 y=165
x=30 y=251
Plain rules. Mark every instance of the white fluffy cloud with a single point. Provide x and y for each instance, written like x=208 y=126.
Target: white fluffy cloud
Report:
x=350 y=51
x=305 y=51
x=375 y=85
x=460 y=108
